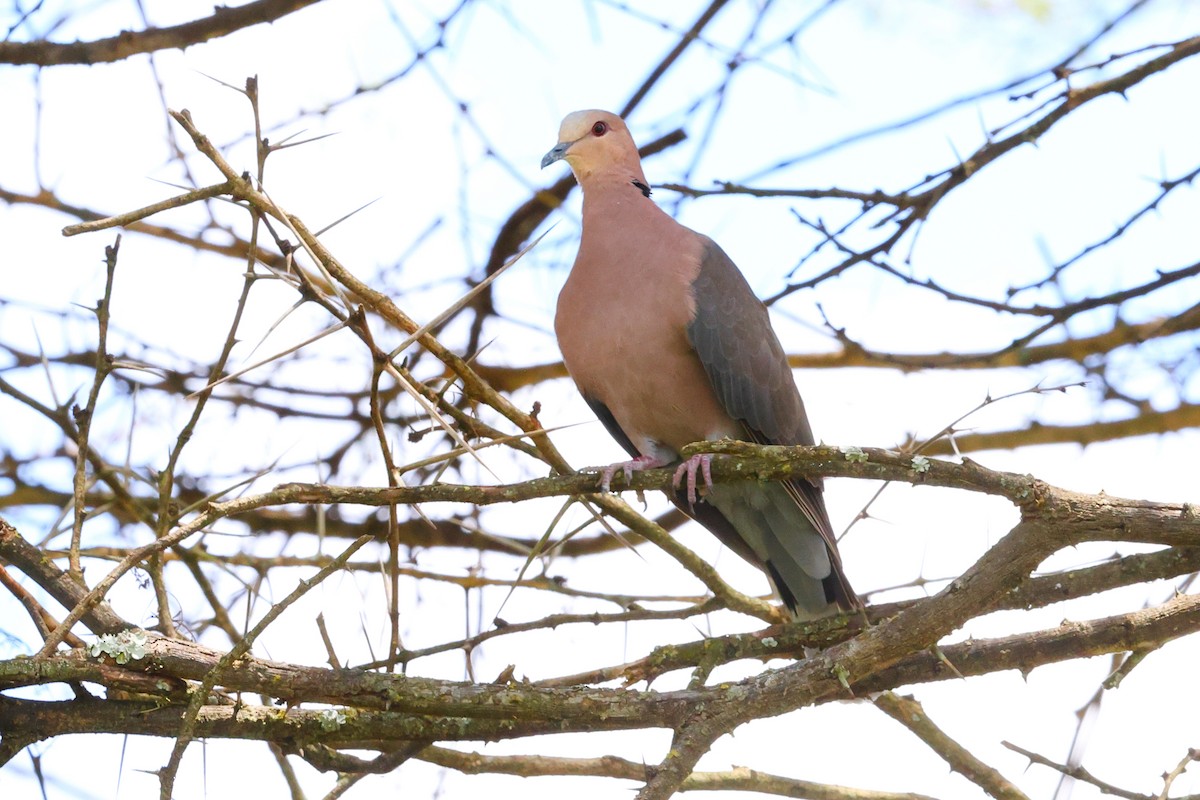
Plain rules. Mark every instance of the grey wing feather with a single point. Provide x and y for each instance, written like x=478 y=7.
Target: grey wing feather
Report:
x=732 y=335
x=734 y=339
x=610 y=424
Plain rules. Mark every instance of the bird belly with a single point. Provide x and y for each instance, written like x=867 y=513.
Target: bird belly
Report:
x=647 y=375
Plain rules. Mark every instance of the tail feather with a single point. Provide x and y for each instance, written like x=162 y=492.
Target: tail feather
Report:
x=766 y=526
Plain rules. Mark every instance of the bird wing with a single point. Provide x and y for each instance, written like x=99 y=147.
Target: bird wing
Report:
x=733 y=338
x=610 y=424
x=732 y=334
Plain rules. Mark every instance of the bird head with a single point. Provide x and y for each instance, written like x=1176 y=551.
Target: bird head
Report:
x=592 y=140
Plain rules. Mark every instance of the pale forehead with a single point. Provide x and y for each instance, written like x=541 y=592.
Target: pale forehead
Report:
x=578 y=123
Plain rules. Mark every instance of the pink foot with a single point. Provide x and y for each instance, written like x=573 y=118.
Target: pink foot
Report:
x=628 y=467
x=702 y=463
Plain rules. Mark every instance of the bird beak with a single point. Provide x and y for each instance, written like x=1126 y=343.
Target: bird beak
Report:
x=557 y=152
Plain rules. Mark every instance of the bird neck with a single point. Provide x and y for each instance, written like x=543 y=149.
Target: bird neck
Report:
x=614 y=192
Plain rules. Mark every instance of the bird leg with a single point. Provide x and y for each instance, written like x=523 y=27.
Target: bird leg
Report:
x=702 y=463
x=629 y=467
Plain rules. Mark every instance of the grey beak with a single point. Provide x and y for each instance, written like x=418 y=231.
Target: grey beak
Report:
x=557 y=152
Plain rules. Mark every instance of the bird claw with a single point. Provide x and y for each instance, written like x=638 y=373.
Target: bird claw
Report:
x=627 y=468
x=702 y=463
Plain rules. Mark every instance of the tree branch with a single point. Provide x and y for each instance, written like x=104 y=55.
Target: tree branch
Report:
x=223 y=21
x=909 y=713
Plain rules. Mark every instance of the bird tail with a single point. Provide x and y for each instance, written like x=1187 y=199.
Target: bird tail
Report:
x=783 y=529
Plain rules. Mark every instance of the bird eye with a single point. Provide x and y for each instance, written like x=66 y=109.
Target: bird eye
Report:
x=599 y=129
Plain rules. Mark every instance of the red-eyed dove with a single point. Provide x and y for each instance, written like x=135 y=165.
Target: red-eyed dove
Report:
x=669 y=345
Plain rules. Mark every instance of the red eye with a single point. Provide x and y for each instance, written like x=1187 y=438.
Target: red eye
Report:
x=599 y=129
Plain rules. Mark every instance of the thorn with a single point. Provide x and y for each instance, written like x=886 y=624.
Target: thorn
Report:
x=843 y=677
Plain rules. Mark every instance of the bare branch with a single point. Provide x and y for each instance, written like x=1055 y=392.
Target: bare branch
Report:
x=909 y=713
x=223 y=21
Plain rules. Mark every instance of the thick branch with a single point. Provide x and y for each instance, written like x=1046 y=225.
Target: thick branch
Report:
x=1144 y=629
x=1024 y=651
x=368 y=730
x=388 y=707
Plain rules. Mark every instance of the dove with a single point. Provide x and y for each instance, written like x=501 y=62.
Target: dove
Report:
x=669 y=345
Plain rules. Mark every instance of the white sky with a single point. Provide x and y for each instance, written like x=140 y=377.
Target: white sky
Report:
x=519 y=68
